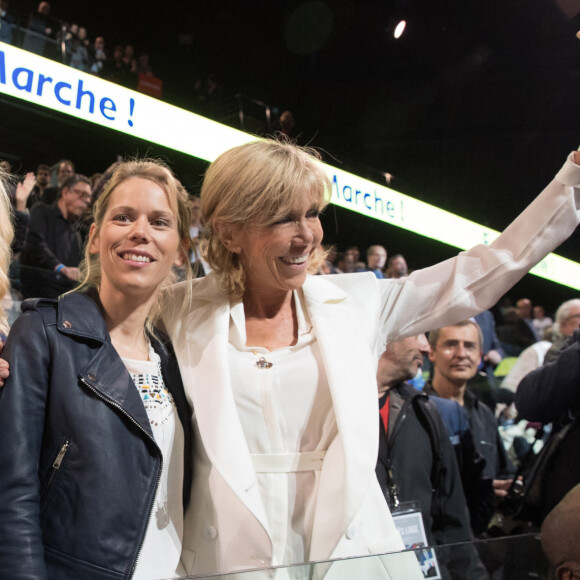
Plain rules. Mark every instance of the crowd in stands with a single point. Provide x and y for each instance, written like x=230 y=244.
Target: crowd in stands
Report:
x=56 y=37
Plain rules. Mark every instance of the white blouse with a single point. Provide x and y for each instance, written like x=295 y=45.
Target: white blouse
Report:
x=160 y=552
x=288 y=425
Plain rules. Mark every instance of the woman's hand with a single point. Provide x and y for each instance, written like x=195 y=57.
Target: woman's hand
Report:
x=4 y=368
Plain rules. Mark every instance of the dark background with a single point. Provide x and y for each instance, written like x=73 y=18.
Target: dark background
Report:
x=473 y=110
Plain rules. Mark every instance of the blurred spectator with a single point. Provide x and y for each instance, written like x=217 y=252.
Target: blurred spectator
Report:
x=209 y=94
x=49 y=261
x=345 y=262
x=115 y=70
x=101 y=183
x=78 y=52
x=492 y=350
x=567 y=321
x=359 y=265
x=98 y=54
x=524 y=310
x=129 y=59
x=540 y=320
x=531 y=358
x=328 y=267
x=42 y=182
x=64 y=169
x=376 y=258
x=7 y=21
x=39 y=27
x=514 y=334
x=143 y=66
x=95 y=178
x=396 y=267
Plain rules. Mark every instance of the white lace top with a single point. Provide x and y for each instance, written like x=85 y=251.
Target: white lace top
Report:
x=161 y=550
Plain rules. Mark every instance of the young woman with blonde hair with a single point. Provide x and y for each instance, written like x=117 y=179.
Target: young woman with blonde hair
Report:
x=95 y=429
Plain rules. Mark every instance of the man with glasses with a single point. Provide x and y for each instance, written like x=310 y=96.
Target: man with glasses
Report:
x=49 y=261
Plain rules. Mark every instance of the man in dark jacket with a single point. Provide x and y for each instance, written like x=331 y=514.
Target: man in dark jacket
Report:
x=456 y=352
x=49 y=260
x=551 y=394
x=417 y=462
x=416 y=457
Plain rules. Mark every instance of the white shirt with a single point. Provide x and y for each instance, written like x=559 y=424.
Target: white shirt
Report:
x=281 y=415
x=160 y=552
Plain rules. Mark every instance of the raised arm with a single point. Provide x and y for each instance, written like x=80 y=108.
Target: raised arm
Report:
x=474 y=280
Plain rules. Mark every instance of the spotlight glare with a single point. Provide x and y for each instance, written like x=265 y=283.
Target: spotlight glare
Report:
x=399 y=29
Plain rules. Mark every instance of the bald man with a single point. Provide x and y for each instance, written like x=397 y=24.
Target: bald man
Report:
x=561 y=536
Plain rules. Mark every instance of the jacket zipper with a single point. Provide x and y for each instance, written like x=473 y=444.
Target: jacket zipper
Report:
x=55 y=467
x=58 y=461
x=159 y=471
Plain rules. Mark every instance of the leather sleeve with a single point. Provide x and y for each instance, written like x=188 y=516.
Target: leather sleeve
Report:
x=22 y=414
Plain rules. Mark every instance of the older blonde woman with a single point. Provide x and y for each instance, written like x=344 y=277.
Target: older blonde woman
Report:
x=280 y=365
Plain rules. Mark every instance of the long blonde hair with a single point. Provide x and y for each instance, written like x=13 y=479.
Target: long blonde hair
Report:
x=160 y=174
x=6 y=237
x=254 y=185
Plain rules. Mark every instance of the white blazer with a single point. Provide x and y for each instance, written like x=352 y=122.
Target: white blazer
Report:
x=353 y=316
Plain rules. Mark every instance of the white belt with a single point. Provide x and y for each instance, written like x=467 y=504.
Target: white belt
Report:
x=288 y=462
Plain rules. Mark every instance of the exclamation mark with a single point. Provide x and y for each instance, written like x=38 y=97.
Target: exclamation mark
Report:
x=131 y=110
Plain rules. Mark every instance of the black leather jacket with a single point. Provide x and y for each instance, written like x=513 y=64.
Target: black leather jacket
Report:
x=78 y=463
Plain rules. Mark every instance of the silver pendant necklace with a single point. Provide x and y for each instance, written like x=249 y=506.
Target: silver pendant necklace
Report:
x=262 y=363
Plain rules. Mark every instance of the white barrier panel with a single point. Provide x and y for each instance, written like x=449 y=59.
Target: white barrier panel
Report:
x=26 y=76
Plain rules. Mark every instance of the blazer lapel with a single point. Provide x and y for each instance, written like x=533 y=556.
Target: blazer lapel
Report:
x=351 y=370
x=201 y=343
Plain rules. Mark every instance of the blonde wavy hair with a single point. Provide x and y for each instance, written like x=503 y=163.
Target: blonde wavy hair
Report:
x=252 y=186
x=6 y=237
x=160 y=174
